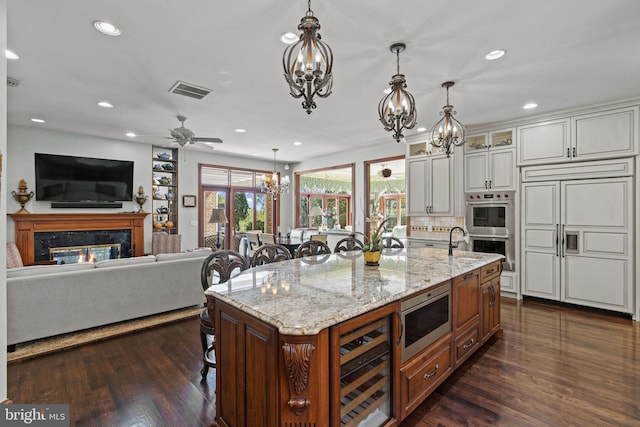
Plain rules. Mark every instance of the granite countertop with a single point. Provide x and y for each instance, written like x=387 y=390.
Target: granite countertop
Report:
x=303 y=296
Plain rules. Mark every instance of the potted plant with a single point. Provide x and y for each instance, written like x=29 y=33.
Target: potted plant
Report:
x=373 y=246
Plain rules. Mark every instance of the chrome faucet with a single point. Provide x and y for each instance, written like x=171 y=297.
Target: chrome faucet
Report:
x=464 y=233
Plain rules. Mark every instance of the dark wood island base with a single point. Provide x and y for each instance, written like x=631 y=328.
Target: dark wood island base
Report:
x=350 y=371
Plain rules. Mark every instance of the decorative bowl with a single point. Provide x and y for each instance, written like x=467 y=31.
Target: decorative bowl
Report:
x=164 y=156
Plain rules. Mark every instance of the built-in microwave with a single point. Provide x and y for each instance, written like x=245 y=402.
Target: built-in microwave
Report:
x=424 y=319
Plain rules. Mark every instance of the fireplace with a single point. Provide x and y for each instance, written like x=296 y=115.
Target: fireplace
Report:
x=35 y=234
x=62 y=246
x=89 y=253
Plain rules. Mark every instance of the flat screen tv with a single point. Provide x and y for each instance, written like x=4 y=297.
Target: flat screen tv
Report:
x=82 y=179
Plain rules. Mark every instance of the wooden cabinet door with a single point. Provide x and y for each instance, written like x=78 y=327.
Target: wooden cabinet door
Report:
x=430 y=186
x=540 y=230
x=606 y=134
x=417 y=193
x=250 y=379
x=545 y=142
x=466 y=290
x=502 y=170
x=597 y=267
x=475 y=172
x=440 y=186
x=490 y=308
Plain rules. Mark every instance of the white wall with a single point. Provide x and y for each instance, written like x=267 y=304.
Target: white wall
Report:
x=24 y=141
x=188 y=184
x=3 y=206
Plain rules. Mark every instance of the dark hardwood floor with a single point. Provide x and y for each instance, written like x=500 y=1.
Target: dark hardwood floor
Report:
x=554 y=366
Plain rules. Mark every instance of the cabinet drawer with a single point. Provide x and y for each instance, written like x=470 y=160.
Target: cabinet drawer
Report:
x=466 y=344
x=423 y=374
x=490 y=271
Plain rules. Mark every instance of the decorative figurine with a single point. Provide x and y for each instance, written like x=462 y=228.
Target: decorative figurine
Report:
x=141 y=198
x=22 y=196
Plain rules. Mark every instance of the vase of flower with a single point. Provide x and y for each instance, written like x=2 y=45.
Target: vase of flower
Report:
x=372 y=249
x=372 y=258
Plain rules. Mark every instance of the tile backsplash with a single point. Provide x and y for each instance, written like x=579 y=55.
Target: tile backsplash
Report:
x=434 y=227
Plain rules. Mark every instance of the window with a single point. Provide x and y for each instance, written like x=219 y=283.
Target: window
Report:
x=325 y=198
x=387 y=193
x=236 y=191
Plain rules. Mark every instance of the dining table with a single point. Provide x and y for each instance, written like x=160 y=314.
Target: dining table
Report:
x=289 y=243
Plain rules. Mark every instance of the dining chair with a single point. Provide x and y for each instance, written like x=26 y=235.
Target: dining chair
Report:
x=392 y=242
x=312 y=247
x=348 y=244
x=267 y=239
x=269 y=253
x=217 y=268
x=319 y=237
x=253 y=240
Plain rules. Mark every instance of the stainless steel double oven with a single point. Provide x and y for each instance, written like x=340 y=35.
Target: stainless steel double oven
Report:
x=490 y=220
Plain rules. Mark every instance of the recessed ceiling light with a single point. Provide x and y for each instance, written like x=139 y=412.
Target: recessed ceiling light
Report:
x=107 y=28
x=239 y=130
x=495 y=54
x=421 y=130
x=289 y=38
x=11 y=55
x=297 y=143
x=105 y=104
x=131 y=134
x=36 y=120
x=529 y=105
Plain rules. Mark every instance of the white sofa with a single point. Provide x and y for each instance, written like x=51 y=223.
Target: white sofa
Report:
x=44 y=301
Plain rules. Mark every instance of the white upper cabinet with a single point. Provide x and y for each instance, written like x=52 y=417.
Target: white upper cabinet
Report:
x=605 y=135
x=430 y=185
x=546 y=142
x=489 y=162
x=602 y=135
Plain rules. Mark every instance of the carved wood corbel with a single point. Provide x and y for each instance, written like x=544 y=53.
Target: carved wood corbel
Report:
x=297 y=361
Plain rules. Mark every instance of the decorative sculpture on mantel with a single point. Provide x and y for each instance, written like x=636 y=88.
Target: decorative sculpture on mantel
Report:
x=22 y=196
x=141 y=198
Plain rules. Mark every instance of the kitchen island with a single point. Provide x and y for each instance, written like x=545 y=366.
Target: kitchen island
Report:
x=326 y=340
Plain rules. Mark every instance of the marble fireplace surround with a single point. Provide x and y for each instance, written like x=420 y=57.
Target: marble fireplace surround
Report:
x=29 y=226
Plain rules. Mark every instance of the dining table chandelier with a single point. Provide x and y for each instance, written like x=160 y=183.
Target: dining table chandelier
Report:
x=397 y=109
x=448 y=131
x=271 y=184
x=308 y=63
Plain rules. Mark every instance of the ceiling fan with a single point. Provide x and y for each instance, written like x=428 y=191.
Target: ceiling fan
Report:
x=183 y=136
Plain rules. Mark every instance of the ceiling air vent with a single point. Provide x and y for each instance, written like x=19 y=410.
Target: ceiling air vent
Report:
x=11 y=82
x=187 y=89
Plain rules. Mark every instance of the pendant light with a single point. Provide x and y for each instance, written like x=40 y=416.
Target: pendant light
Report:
x=448 y=132
x=271 y=184
x=397 y=109
x=308 y=62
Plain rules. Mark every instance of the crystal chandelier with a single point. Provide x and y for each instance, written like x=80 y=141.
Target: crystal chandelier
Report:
x=270 y=183
x=448 y=131
x=308 y=62
x=397 y=109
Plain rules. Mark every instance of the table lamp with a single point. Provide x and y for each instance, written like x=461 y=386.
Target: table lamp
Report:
x=218 y=216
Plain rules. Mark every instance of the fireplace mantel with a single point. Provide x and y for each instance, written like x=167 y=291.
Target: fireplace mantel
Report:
x=28 y=224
